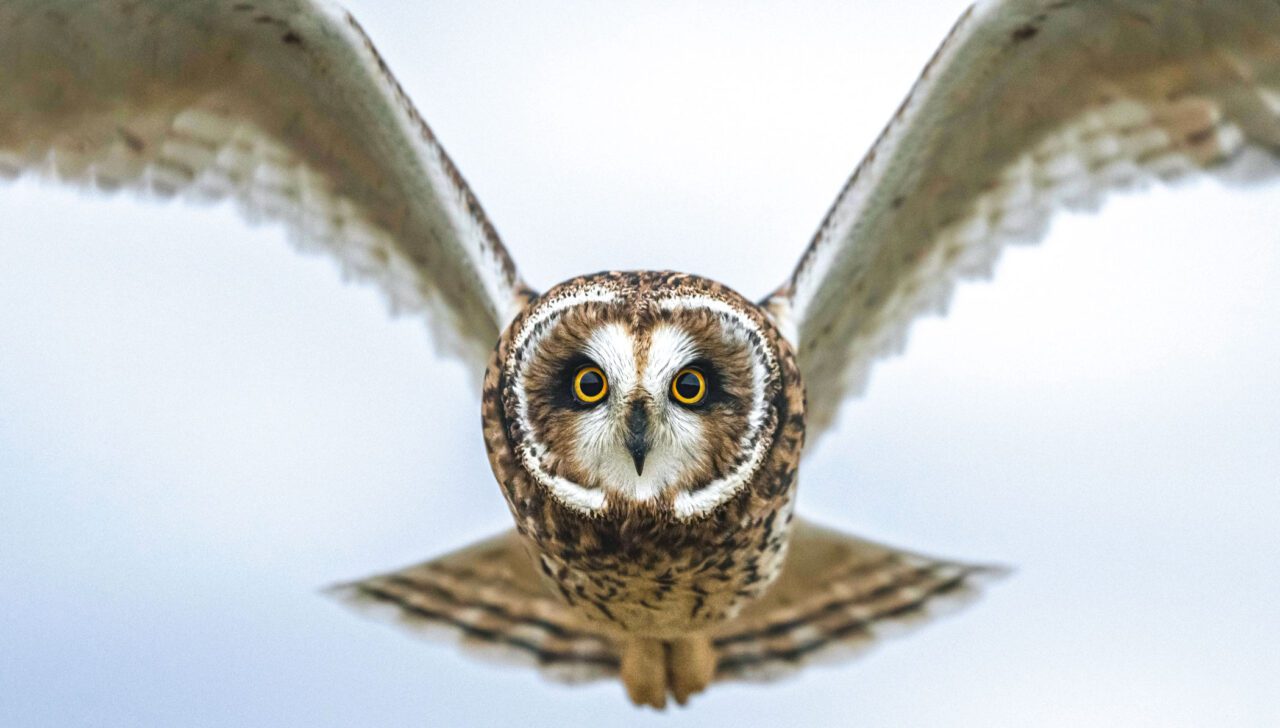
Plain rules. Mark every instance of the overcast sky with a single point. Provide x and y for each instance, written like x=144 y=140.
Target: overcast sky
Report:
x=200 y=428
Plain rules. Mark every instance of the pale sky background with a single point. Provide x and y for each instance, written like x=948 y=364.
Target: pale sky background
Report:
x=200 y=428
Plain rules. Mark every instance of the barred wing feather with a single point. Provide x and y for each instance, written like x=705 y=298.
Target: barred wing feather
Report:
x=1027 y=107
x=281 y=105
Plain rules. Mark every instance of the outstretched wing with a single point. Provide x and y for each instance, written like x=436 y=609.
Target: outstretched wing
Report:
x=282 y=105
x=488 y=597
x=838 y=594
x=1027 y=106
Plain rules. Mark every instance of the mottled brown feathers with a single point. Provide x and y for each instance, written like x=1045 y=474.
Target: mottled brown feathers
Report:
x=835 y=592
x=632 y=589
x=636 y=566
x=489 y=596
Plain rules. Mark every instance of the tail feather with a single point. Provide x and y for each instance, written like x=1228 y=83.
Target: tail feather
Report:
x=488 y=598
x=838 y=595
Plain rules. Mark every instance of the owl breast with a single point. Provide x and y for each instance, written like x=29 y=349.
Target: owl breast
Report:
x=664 y=579
x=652 y=565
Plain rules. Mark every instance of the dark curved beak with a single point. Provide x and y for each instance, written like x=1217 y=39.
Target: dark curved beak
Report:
x=637 y=439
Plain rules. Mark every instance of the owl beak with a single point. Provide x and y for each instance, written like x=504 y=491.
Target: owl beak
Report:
x=637 y=439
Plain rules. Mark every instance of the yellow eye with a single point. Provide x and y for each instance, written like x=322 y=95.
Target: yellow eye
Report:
x=589 y=385
x=689 y=386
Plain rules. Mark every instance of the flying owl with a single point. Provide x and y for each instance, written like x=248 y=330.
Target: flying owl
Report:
x=647 y=428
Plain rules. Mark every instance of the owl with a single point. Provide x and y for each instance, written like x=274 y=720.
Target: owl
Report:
x=646 y=429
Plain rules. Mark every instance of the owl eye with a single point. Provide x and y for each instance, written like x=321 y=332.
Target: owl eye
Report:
x=589 y=385
x=689 y=386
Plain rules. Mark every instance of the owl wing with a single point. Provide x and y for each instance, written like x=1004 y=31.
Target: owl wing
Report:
x=1028 y=105
x=837 y=595
x=489 y=598
x=282 y=105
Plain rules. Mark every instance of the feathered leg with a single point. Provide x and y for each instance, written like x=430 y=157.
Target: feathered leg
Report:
x=691 y=665
x=644 y=671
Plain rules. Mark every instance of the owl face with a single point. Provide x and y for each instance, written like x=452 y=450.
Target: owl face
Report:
x=641 y=390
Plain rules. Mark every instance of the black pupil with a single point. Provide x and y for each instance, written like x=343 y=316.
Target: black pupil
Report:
x=688 y=386
x=591 y=384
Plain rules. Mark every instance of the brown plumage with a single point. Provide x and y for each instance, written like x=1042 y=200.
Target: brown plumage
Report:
x=635 y=587
x=635 y=565
x=654 y=536
x=835 y=595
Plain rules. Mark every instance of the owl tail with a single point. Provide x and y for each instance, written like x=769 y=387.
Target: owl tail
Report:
x=487 y=598
x=836 y=595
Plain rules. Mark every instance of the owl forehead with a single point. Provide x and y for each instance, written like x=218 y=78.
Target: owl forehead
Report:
x=656 y=348
x=637 y=335
x=644 y=356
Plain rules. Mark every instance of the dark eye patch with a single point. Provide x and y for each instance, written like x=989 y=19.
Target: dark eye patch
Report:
x=558 y=389
x=716 y=393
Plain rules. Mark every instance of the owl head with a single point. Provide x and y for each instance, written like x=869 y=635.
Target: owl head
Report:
x=654 y=391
